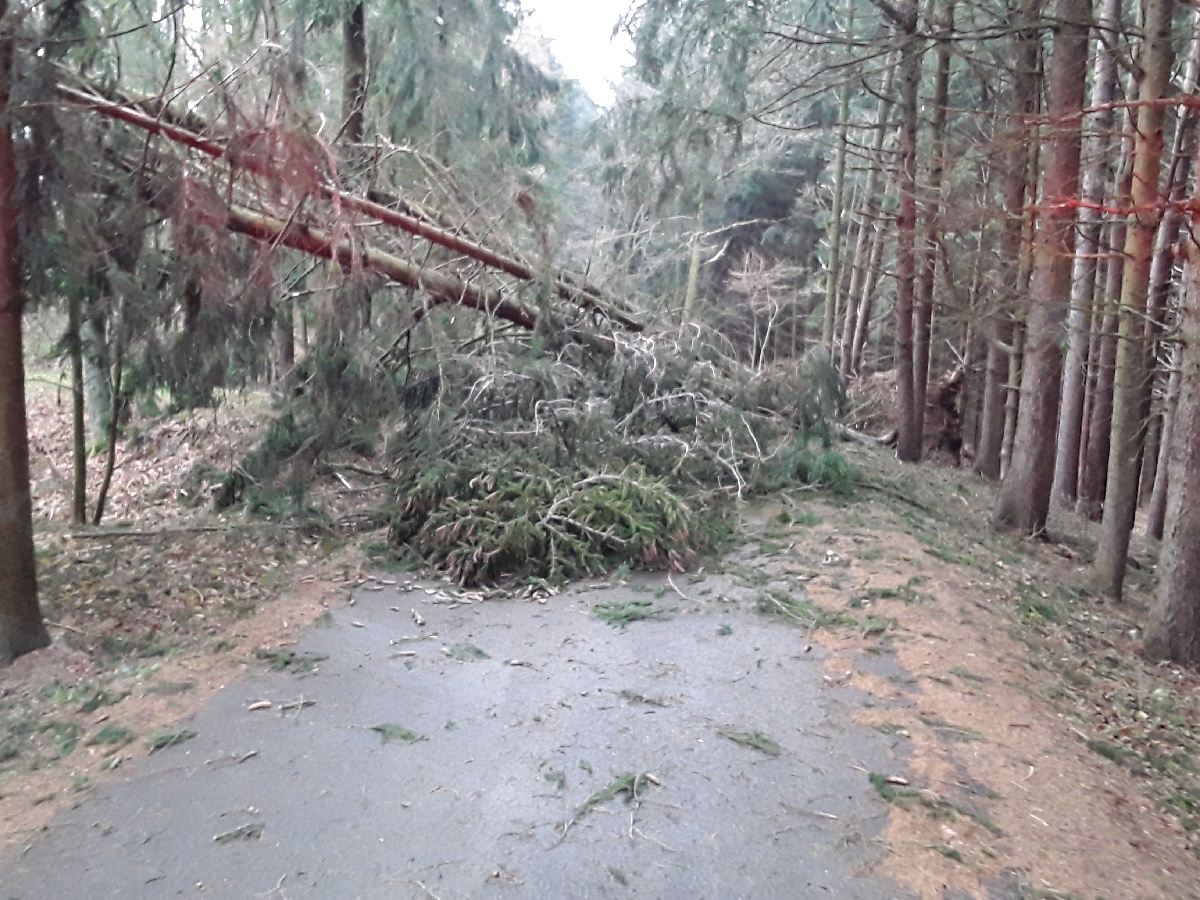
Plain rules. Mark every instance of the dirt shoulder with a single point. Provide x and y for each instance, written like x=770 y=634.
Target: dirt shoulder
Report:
x=1045 y=754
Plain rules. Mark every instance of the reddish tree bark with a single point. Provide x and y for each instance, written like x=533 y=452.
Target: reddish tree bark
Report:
x=1131 y=381
x=1024 y=500
x=1083 y=282
x=1174 y=629
x=21 y=627
x=999 y=328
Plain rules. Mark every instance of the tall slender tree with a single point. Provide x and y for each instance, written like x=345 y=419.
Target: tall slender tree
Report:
x=1131 y=380
x=1174 y=629
x=21 y=627
x=1096 y=179
x=1022 y=104
x=1024 y=500
x=905 y=18
x=923 y=324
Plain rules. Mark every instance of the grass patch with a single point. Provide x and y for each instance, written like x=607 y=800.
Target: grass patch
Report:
x=621 y=614
x=780 y=603
x=65 y=736
x=556 y=778
x=111 y=734
x=290 y=661
x=968 y=675
x=170 y=738
x=467 y=653
x=892 y=793
x=629 y=784
x=390 y=732
x=1110 y=751
x=755 y=739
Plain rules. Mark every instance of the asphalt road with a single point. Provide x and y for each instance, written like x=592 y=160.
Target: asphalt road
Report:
x=502 y=791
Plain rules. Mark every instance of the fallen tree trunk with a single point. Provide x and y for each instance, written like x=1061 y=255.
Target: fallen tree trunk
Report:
x=317 y=242
x=567 y=286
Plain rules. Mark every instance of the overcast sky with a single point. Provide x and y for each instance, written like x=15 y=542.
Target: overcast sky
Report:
x=580 y=34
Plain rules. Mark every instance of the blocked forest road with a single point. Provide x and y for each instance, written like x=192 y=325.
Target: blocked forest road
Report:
x=500 y=774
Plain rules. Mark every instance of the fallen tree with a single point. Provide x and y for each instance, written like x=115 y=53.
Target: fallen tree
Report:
x=560 y=447
x=246 y=154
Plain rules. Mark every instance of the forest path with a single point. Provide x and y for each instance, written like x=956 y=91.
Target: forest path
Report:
x=504 y=792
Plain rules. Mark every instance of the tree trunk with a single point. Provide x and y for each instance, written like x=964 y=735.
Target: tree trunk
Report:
x=1012 y=396
x=1157 y=514
x=909 y=447
x=833 y=274
x=870 y=233
x=1104 y=360
x=1024 y=500
x=21 y=627
x=693 y=277
x=354 y=87
x=999 y=329
x=78 y=433
x=114 y=413
x=1149 y=460
x=1174 y=629
x=1083 y=281
x=1162 y=272
x=862 y=327
x=1131 y=379
x=923 y=326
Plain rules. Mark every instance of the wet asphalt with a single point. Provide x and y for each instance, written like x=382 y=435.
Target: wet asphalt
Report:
x=504 y=721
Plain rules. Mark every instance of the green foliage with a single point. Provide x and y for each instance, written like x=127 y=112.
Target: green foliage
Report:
x=623 y=613
x=111 y=734
x=170 y=738
x=480 y=522
x=289 y=660
x=467 y=653
x=390 y=732
x=755 y=740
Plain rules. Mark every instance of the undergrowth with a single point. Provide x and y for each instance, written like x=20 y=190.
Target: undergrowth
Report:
x=542 y=457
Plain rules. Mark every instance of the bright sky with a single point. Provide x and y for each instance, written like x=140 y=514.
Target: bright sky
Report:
x=580 y=34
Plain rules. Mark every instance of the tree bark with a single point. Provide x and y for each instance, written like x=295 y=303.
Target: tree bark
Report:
x=833 y=274
x=21 y=627
x=1156 y=516
x=354 y=87
x=1012 y=396
x=1104 y=360
x=693 y=276
x=909 y=446
x=999 y=329
x=1161 y=275
x=1024 y=500
x=114 y=412
x=1083 y=281
x=78 y=432
x=862 y=327
x=1131 y=380
x=923 y=325
x=869 y=235
x=1174 y=629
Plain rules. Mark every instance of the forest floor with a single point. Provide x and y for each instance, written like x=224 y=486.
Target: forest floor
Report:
x=1031 y=750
